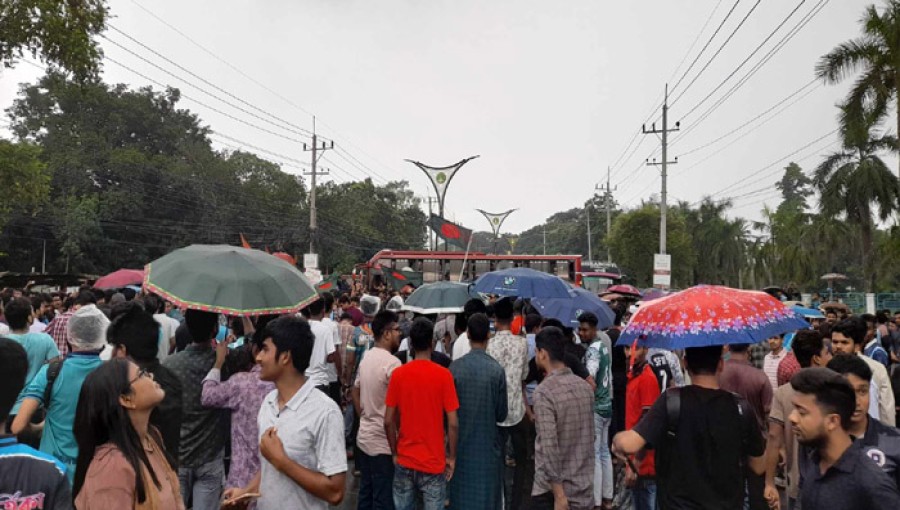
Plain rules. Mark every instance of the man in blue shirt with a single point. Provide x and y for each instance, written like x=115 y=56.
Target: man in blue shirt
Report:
x=87 y=336
x=28 y=478
x=839 y=475
x=39 y=347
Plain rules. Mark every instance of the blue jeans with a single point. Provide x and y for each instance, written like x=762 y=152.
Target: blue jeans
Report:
x=603 y=470
x=203 y=485
x=408 y=483
x=644 y=495
x=376 y=481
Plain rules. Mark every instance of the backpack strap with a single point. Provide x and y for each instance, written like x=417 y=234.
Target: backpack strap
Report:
x=673 y=410
x=53 y=371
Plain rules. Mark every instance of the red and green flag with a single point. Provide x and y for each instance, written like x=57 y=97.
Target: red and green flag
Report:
x=399 y=278
x=454 y=234
x=328 y=284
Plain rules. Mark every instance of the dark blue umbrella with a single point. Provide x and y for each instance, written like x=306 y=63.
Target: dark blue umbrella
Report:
x=522 y=282
x=809 y=313
x=567 y=310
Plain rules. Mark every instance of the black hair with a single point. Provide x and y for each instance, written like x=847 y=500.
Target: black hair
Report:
x=552 y=323
x=129 y=294
x=590 y=318
x=503 y=310
x=344 y=299
x=14 y=367
x=854 y=328
x=532 y=322
x=807 y=343
x=703 y=360
x=317 y=306
x=847 y=364
x=85 y=297
x=474 y=306
x=101 y=419
x=182 y=337
x=479 y=328
x=738 y=347
x=237 y=326
x=833 y=393
x=17 y=312
x=345 y=317
x=152 y=303
x=136 y=330
x=293 y=335
x=36 y=302
x=203 y=325
x=328 y=297
x=382 y=320
x=552 y=340
x=460 y=323
x=239 y=359
x=421 y=334
x=259 y=338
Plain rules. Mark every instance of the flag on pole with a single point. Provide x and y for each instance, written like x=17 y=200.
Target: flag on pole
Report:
x=328 y=284
x=399 y=278
x=454 y=234
x=244 y=242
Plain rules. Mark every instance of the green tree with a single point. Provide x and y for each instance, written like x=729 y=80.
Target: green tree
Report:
x=876 y=56
x=24 y=180
x=62 y=33
x=795 y=187
x=855 y=182
x=635 y=238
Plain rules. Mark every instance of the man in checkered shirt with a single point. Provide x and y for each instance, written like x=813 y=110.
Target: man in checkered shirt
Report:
x=58 y=326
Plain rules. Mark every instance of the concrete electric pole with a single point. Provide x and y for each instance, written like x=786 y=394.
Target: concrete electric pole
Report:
x=664 y=132
x=607 y=205
x=317 y=151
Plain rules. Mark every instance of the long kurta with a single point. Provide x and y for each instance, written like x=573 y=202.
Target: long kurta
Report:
x=481 y=388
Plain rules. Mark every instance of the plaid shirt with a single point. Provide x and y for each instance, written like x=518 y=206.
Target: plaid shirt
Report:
x=564 y=449
x=758 y=353
x=58 y=329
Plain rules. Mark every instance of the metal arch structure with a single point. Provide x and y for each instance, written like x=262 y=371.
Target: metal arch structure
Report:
x=496 y=219
x=440 y=177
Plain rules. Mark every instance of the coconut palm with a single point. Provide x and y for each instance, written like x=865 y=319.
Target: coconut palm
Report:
x=876 y=54
x=855 y=182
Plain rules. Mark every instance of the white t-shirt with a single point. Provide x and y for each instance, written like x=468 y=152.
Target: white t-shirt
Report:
x=461 y=347
x=770 y=367
x=167 y=328
x=4 y=329
x=332 y=368
x=317 y=372
x=37 y=327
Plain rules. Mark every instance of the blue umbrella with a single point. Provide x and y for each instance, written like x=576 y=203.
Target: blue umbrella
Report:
x=522 y=282
x=567 y=310
x=808 y=313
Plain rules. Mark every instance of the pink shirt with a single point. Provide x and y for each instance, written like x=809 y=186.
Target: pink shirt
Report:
x=372 y=380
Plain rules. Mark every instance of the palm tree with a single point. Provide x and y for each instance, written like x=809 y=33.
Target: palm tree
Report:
x=855 y=182
x=877 y=55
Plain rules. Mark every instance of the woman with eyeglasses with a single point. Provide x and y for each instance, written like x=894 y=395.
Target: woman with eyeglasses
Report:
x=122 y=462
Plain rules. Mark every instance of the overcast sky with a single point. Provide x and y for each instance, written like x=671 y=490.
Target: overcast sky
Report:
x=548 y=93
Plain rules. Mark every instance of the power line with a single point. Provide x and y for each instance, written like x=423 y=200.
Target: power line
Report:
x=708 y=42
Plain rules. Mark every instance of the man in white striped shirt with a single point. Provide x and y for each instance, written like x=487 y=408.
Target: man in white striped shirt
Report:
x=773 y=359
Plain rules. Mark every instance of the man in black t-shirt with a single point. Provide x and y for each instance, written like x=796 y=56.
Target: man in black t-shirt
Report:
x=702 y=447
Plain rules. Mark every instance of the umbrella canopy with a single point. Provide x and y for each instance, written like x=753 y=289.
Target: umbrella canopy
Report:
x=229 y=280
x=440 y=297
x=625 y=290
x=567 y=310
x=522 y=282
x=808 y=313
x=834 y=276
x=834 y=305
x=710 y=315
x=653 y=294
x=120 y=278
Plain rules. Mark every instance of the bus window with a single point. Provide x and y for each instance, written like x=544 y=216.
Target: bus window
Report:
x=431 y=270
x=481 y=267
x=401 y=263
x=562 y=270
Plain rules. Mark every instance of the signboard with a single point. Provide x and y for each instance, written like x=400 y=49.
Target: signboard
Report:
x=314 y=275
x=662 y=270
x=310 y=260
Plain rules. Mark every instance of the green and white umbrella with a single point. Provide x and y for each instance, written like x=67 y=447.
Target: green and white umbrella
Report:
x=439 y=297
x=229 y=280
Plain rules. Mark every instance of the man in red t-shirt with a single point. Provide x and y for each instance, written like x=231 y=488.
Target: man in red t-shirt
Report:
x=642 y=391
x=419 y=394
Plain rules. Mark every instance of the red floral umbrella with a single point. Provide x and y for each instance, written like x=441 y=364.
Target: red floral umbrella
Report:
x=710 y=315
x=120 y=278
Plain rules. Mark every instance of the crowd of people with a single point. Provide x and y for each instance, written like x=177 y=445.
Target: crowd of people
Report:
x=118 y=399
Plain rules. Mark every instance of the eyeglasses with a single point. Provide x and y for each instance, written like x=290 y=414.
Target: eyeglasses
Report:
x=142 y=372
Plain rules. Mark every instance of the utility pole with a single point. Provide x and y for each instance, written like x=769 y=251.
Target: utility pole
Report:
x=664 y=132
x=545 y=238
x=607 y=205
x=587 y=212
x=316 y=150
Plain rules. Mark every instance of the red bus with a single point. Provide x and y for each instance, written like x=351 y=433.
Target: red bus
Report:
x=448 y=265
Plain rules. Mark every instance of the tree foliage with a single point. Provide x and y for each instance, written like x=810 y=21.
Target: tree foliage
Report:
x=62 y=33
x=24 y=180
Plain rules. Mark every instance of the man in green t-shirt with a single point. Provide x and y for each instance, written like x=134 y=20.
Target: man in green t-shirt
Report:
x=598 y=362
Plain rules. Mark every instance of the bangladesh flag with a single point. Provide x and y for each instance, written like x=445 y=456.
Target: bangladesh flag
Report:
x=399 y=278
x=328 y=284
x=454 y=234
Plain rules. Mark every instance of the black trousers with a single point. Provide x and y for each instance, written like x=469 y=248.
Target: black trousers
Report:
x=542 y=502
x=333 y=390
x=518 y=433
